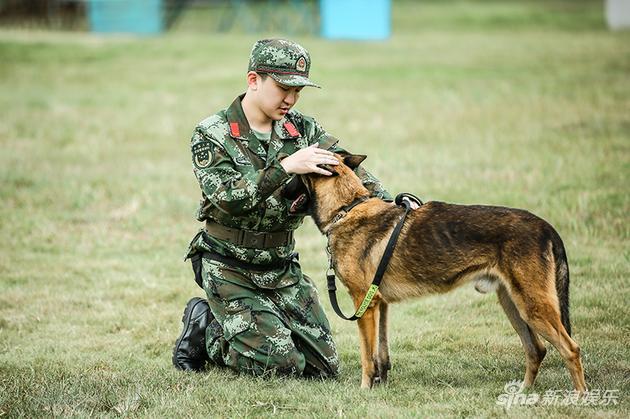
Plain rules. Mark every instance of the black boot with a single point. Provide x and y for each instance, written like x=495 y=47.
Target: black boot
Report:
x=190 y=348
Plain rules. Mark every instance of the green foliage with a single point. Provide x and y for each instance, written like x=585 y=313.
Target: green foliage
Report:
x=97 y=201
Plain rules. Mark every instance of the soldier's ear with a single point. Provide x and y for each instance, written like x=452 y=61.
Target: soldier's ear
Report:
x=354 y=160
x=252 y=80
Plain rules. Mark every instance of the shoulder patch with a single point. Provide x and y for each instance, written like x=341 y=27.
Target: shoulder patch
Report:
x=213 y=129
x=202 y=154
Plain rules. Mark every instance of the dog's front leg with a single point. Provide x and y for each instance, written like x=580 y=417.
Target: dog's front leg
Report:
x=384 y=364
x=367 y=336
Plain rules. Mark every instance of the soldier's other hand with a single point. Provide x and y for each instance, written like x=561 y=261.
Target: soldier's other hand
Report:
x=307 y=160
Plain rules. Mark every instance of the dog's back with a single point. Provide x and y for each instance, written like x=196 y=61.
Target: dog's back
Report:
x=441 y=246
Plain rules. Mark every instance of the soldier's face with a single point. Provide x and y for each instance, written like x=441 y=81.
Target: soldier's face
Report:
x=276 y=99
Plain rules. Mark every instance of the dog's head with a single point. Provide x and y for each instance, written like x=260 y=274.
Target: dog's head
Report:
x=303 y=189
x=347 y=163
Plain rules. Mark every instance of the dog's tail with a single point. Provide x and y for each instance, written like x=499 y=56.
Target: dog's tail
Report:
x=562 y=278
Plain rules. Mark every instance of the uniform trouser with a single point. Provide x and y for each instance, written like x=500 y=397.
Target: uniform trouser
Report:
x=267 y=331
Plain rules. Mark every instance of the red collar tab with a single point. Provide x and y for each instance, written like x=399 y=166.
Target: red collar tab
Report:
x=293 y=132
x=234 y=129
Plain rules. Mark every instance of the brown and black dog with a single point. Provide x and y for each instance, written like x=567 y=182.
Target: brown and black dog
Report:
x=442 y=246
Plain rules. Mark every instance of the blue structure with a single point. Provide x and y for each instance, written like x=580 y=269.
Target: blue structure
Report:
x=356 y=19
x=126 y=16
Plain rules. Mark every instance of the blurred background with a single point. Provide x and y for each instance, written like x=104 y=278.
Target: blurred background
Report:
x=522 y=103
x=352 y=19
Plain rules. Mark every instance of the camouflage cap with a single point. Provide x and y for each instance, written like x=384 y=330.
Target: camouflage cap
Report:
x=285 y=61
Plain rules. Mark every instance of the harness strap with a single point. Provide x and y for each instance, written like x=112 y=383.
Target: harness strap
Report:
x=382 y=266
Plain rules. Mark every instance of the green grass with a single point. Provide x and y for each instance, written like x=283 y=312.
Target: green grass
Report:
x=489 y=102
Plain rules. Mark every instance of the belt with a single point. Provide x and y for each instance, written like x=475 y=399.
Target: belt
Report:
x=197 y=264
x=249 y=266
x=246 y=238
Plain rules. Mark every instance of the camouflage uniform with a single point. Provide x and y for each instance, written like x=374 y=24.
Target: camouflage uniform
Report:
x=268 y=319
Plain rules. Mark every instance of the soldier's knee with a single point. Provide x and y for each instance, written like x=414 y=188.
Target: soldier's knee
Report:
x=260 y=345
x=328 y=368
x=289 y=364
x=334 y=370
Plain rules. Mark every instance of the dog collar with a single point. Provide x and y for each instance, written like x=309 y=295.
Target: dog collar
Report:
x=345 y=210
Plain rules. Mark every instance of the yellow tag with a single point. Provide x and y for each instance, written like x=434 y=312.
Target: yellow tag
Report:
x=366 y=301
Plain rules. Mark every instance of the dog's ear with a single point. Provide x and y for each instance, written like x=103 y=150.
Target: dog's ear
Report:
x=354 y=160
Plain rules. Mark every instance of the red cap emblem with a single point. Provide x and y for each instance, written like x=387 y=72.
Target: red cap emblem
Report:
x=300 y=65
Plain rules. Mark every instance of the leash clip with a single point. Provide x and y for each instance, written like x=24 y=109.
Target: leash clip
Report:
x=330 y=280
x=405 y=199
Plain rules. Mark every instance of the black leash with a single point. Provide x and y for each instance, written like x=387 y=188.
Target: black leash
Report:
x=382 y=266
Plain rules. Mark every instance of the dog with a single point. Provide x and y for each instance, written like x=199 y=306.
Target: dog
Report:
x=442 y=246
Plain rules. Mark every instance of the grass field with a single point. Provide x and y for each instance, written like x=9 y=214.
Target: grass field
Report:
x=524 y=104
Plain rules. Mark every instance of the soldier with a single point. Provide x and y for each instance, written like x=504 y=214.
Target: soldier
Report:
x=262 y=314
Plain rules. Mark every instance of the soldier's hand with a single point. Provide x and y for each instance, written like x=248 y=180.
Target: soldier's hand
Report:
x=307 y=160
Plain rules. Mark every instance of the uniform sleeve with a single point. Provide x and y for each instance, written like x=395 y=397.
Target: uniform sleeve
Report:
x=329 y=142
x=227 y=188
